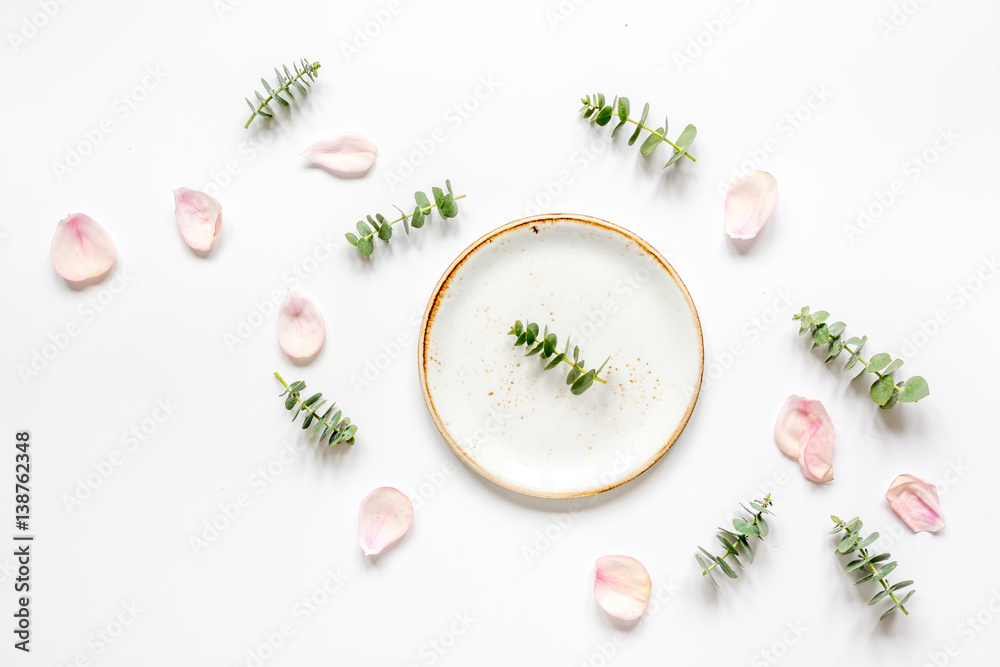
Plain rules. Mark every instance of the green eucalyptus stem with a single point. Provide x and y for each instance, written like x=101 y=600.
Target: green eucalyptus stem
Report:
x=406 y=216
x=329 y=425
x=885 y=391
x=736 y=539
x=643 y=126
x=853 y=542
x=601 y=114
x=305 y=75
x=379 y=226
x=544 y=345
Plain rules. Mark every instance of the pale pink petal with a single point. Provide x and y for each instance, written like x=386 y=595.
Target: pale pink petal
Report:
x=790 y=425
x=804 y=431
x=384 y=517
x=301 y=331
x=622 y=586
x=81 y=249
x=349 y=154
x=199 y=217
x=916 y=502
x=816 y=450
x=750 y=201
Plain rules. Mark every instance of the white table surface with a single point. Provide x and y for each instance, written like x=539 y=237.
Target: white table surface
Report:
x=834 y=99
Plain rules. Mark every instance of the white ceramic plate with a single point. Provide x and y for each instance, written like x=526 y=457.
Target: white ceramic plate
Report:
x=519 y=425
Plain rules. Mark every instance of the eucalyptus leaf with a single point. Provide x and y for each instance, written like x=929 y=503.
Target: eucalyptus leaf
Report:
x=603 y=116
x=385 y=232
x=745 y=528
x=868 y=540
x=836 y=347
x=683 y=142
x=583 y=383
x=650 y=144
x=881 y=390
x=878 y=596
x=914 y=389
x=623 y=108
x=888 y=612
x=821 y=334
x=884 y=570
x=846 y=543
x=724 y=566
x=687 y=137
x=878 y=362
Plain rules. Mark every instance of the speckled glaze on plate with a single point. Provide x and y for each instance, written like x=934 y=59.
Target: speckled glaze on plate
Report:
x=520 y=426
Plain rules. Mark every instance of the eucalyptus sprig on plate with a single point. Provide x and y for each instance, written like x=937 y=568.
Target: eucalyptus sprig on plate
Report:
x=329 y=426
x=444 y=202
x=739 y=538
x=304 y=74
x=598 y=112
x=871 y=564
x=544 y=346
x=884 y=391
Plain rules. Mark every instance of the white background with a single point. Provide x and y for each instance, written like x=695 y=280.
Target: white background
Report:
x=879 y=98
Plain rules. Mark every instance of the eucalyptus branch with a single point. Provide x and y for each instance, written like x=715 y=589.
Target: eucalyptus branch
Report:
x=884 y=391
x=600 y=113
x=733 y=541
x=381 y=227
x=304 y=75
x=851 y=542
x=329 y=425
x=579 y=379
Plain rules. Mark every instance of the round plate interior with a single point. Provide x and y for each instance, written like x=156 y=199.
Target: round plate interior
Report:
x=612 y=295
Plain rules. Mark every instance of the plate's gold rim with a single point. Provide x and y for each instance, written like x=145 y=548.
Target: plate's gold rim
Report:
x=439 y=293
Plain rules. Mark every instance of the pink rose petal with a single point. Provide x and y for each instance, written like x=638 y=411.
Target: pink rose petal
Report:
x=790 y=425
x=622 y=586
x=199 y=218
x=81 y=249
x=384 y=517
x=301 y=331
x=750 y=201
x=804 y=431
x=816 y=452
x=916 y=502
x=349 y=154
